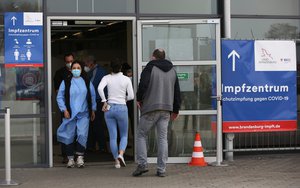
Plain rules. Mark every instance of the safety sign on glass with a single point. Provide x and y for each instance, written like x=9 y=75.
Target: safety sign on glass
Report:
x=259 y=86
x=23 y=38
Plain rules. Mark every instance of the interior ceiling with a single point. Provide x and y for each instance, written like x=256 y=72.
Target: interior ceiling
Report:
x=72 y=29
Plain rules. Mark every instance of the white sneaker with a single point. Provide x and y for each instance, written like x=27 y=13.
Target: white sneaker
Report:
x=71 y=163
x=117 y=164
x=121 y=160
x=80 y=162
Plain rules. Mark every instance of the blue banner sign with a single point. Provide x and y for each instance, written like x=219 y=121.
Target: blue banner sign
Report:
x=259 y=86
x=23 y=38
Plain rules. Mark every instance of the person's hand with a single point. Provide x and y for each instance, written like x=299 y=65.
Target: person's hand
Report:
x=66 y=114
x=104 y=107
x=93 y=116
x=174 y=116
x=139 y=104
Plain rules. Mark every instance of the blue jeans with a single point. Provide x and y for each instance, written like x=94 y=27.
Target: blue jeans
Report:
x=159 y=120
x=117 y=118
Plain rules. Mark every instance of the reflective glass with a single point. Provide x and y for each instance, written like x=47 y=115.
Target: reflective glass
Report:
x=114 y=6
x=1 y=43
x=197 y=85
x=184 y=42
x=91 y=6
x=62 y=6
x=85 y=6
x=23 y=90
x=181 y=135
x=27 y=142
x=178 y=6
x=265 y=29
x=265 y=7
x=21 y=5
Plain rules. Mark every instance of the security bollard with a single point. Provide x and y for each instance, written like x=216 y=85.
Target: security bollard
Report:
x=7 y=180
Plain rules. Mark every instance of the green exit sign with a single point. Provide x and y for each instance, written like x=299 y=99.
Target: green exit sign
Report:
x=183 y=76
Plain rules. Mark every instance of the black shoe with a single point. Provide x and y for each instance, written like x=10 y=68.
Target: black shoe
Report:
x=140 y=170
x=161 y=174
x=65 y=160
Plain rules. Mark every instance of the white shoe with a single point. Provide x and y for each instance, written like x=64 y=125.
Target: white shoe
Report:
x=117 y=165
x=121 y=160
x=80 y=162
x=71 y=163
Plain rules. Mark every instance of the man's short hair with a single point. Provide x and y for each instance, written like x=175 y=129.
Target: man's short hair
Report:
x=90 y=59
x=68 y=54
x=159 y=54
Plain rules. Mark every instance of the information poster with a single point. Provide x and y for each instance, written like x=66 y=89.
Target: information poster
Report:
x=23 y=38
x=259 y=86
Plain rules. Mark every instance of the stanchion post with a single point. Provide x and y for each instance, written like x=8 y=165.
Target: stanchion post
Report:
x=34 y=134
x=219 y=158
x=7 y=180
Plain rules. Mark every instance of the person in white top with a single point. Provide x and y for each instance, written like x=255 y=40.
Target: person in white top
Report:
x=120 y=90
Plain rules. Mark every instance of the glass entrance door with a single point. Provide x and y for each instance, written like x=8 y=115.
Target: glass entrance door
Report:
x=193 y=46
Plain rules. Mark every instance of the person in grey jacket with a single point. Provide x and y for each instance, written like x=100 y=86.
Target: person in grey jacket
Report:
x=158 y=98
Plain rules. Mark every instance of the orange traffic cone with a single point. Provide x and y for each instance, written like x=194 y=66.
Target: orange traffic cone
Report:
x=197 y=157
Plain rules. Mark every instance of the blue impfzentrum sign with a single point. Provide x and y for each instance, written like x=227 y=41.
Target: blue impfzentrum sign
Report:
x=259 y=86
x=23 y=38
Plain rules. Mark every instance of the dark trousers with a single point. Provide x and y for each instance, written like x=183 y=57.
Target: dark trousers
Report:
x=97 y=130
x=62 y=145
x=131 y=116
x=70 y=149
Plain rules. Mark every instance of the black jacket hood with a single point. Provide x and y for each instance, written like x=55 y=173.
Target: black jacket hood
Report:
x=163 y=65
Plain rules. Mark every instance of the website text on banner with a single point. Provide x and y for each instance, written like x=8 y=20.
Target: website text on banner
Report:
x=259 y=86
x=23 y=39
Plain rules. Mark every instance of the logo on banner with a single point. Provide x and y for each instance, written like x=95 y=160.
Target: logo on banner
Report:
x=271 y=56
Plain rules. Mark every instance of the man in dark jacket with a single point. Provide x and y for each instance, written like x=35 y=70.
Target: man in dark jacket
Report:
x=60 y=75
x=64 y=72
x=97 y=127
x=158 y=98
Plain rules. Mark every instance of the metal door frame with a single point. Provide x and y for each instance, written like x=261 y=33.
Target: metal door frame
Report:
x=49 y=78
x=216 y=62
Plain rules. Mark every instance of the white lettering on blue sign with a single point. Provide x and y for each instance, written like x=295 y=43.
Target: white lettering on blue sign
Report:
x=244 y=88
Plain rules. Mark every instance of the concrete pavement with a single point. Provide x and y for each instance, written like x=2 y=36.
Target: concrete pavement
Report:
x=276 y=171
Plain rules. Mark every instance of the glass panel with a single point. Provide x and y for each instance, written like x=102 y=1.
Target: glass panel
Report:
x=115 y=6
x=23 y=90
x=20 y=5
x=85 y=6
x=178 y=6
x=265 y=7
x=184 y=42
x=1 y=49
x=197 y=85
x=61 y=6
x=27 y=141
x=181 y=135
x=265 y=29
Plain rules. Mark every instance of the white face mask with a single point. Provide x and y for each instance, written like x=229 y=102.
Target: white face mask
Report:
x=68 y=65
x=87 y=69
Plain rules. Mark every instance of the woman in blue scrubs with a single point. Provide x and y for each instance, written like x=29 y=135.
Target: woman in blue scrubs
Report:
x=76 y=99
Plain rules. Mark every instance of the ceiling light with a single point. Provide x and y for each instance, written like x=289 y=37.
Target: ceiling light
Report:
x=64 y=37
x=78 y=33
x=92 y=29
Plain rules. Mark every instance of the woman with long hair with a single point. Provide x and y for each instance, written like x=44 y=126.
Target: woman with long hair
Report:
x=120 y=90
